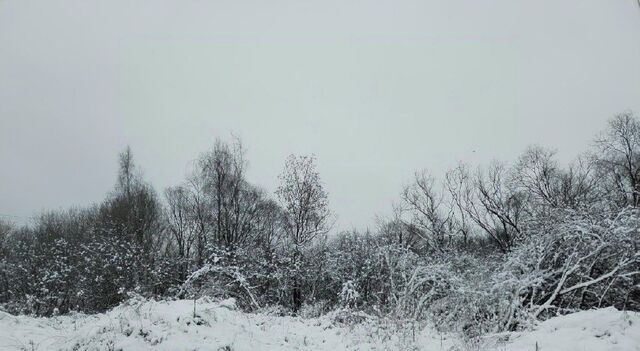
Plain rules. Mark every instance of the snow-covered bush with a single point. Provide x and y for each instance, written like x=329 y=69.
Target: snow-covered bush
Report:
x=349 y=296
x=578 y=260
x=315 y=309
x=220 y=282
x=454 y=291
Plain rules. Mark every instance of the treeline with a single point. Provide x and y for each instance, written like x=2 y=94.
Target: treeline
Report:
x=484 y=249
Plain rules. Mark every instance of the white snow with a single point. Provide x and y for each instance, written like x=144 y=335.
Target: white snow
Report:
x=150 y=325
x=171 y=325
x=595 y=330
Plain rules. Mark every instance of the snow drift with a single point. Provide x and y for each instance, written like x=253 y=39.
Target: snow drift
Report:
x=172 y=325
x=602 y=329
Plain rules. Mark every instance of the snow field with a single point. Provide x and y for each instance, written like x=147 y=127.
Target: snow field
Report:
x=172 y=326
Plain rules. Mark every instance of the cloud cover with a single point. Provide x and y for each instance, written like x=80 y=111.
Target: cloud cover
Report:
x=376 y=89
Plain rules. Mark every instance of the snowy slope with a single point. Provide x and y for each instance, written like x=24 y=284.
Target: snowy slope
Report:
x=150 y=325
x=603 y=329
x=153 y=325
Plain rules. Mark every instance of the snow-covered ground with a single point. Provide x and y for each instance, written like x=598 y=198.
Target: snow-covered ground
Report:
x=603 y=329
x=150 y=325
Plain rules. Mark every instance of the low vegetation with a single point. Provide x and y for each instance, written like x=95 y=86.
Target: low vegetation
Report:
x=484 y=250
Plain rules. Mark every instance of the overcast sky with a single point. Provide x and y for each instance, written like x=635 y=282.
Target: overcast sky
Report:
x=375 y=89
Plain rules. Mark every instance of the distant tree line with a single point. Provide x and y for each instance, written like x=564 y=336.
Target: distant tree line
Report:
x=484 y=249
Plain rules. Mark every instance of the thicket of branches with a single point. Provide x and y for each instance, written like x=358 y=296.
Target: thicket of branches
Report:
x=484 y=249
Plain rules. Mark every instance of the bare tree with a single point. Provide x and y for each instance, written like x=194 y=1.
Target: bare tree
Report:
x=580 y=184
x=233 y=201
x=538 y=173
x=128 y=177
x=133 y=209
x=458 y=184
x=499 y=207
x=618 y=158
x=427 y=207
x=268 y=227
x=200 y=213
x=6 y=228
x=490 y=201
x=396 y=231
x=180 y=223
x=304 y=200
x=306 y=211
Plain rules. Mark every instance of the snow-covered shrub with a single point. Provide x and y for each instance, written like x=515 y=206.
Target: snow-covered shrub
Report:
x=220 y=282
x=568 y=260
x=454 y=291
x=349 y=295
x=315 y=309
x=578 y=260
x=40 y=278
x=356 y=258
x=120 y=270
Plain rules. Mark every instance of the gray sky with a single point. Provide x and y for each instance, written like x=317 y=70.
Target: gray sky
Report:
x=376 y=89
